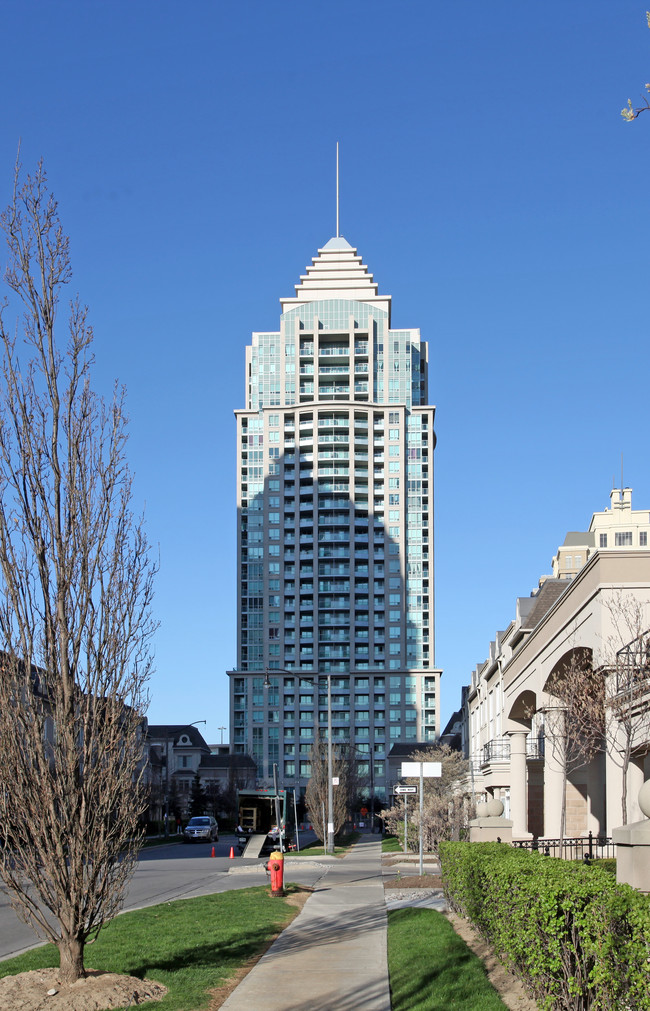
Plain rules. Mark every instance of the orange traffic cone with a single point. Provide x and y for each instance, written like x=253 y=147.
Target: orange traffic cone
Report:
x=213 y=853
x=232 y=852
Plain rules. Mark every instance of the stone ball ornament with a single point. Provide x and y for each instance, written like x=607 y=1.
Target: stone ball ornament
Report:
x=644 y=798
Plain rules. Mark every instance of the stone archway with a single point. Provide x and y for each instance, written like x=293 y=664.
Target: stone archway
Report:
x=574 y=775
x=518 y=725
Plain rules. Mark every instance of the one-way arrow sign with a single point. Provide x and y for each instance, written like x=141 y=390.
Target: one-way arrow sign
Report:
x=406 y=789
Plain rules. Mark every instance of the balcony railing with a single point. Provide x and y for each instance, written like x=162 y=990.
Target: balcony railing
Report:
x=633 y=668
x=498 y=750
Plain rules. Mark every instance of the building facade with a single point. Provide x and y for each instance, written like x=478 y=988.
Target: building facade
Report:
x=619 y=526
x=177 y=752
x=595 y=606
x=335 y=530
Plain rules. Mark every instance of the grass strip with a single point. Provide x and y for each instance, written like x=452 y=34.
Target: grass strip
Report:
x=190 y=945
x=431 y=968
x=342 y=846
x=153 y=841
x=391 y=844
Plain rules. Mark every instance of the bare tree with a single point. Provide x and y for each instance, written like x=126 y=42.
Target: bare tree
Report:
x=631 y=113
x=574 y=716
x=343 y=767
x=447 y=803
x=75 y=596
x=626 y=662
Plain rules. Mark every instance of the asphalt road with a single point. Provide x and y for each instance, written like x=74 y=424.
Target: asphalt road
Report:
x=169 y=872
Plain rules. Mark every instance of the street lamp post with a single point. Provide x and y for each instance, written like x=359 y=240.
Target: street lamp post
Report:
x=177 y=731
x=330 y=770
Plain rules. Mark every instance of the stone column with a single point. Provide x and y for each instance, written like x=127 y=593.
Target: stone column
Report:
x=553 y=783
x=518 y=792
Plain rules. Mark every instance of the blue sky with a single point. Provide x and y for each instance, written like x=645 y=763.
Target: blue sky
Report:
x=487 y=179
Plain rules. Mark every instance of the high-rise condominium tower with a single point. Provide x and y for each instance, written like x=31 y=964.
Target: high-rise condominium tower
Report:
x=335 y=532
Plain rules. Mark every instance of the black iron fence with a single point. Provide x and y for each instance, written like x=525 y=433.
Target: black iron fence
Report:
x=587 y=848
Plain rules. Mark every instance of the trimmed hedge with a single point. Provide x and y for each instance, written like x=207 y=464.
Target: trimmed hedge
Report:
x=576 y=938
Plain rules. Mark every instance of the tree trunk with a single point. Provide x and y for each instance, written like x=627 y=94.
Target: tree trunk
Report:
x=71 y=959
x=563 y=811
x=625 y=767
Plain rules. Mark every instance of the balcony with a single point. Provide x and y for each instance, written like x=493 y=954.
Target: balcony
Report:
x=331 y=389
x=498 y=750
x=334 y=653
x=327 y=635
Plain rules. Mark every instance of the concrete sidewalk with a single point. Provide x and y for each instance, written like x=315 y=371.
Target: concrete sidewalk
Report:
x=333 y=955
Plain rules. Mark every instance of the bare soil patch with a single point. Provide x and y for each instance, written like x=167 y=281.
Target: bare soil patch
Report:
x=414 y=881
x=28 y=991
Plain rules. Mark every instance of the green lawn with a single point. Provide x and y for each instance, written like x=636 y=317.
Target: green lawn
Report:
x=161 y=840
x=191 y=945
x=342 y=845
x=194 y=945
x=432 y=969
x=391 y=844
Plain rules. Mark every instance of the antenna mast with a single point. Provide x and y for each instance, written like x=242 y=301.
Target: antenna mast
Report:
x=337 y=189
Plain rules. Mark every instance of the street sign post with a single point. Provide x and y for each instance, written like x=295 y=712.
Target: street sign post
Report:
x=422 y=769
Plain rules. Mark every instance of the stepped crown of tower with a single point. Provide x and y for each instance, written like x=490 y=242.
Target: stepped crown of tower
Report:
x=337 y=272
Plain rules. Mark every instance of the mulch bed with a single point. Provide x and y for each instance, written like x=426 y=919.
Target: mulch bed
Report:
x=414 y=881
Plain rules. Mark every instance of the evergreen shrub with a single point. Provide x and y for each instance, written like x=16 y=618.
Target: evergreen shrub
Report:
x=576 y=938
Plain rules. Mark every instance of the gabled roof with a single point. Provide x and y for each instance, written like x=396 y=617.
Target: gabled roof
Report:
x=549 y=592
x=576 y=538
x=406 y=750
x=163 y=732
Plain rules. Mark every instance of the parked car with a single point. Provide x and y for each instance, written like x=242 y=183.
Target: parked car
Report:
x=201 y=829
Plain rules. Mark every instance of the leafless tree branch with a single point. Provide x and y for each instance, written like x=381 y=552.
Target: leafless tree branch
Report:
x=75 y=604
